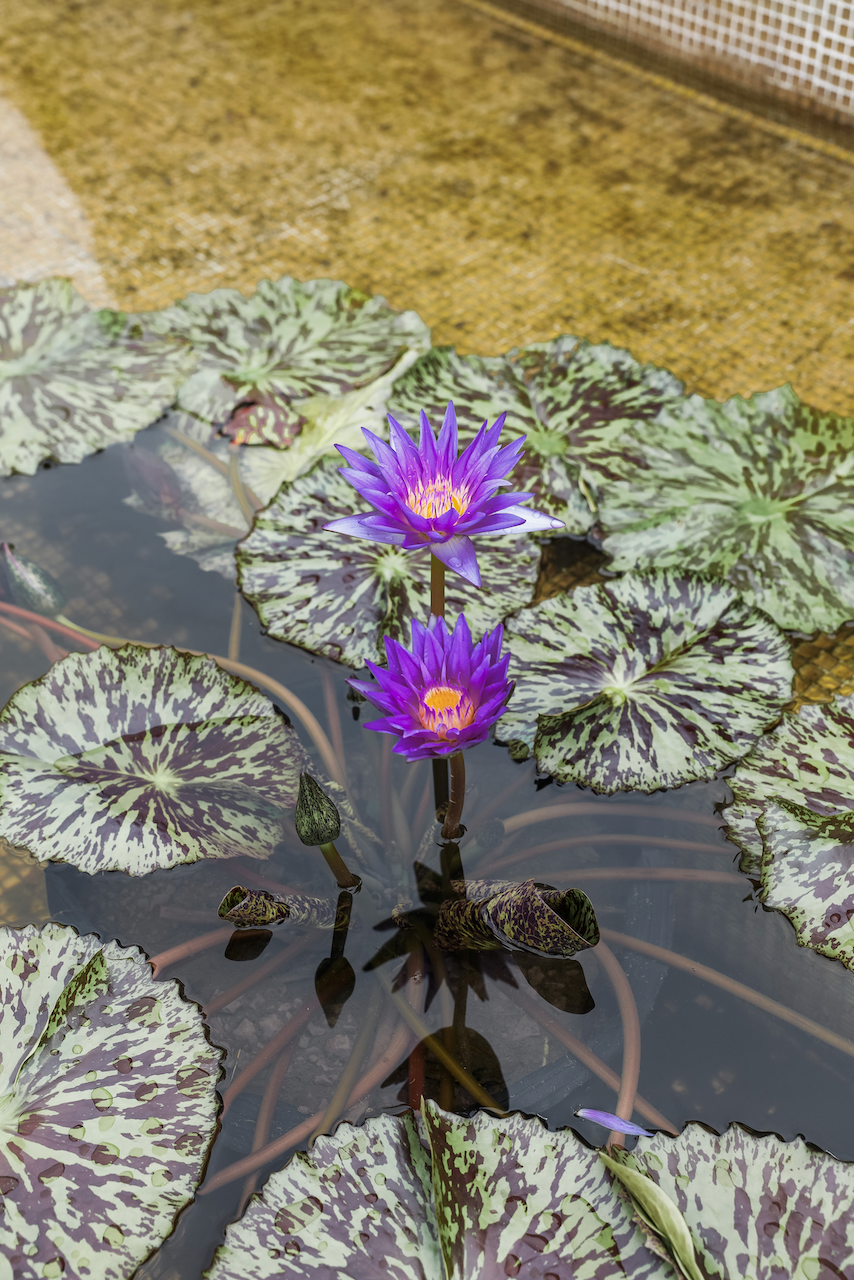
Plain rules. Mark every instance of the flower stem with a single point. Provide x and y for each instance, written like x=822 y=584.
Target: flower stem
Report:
x=441 y=790
x=451 y=828
x=437 y=587
x=344 y=878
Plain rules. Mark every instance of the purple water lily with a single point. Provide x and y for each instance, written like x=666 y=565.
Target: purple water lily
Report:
x=442 y=696
x=424 y=495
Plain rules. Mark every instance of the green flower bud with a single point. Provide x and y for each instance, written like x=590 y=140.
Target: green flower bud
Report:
x=316 y=818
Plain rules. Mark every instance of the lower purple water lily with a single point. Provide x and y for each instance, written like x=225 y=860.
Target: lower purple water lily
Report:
x=423 y=495
x=443 y=695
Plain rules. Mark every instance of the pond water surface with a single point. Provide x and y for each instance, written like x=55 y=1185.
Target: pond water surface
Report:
x=658 y=870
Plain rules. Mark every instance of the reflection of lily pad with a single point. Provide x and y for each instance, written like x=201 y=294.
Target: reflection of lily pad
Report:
x=107 y=1089
x=648 y=681
x=446 y=1196
x=290 y=350
x=74 y=380
x=141 y=758
x=808 y=760
x=561 y=394
x=338 y=596
x=755 y=1205
x=758 y=492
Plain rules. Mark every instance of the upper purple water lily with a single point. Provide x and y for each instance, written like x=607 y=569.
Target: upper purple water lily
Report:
x=442 y=696
x=424 y=495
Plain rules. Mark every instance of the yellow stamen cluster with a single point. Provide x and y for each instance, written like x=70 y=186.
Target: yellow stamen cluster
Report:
x=443 y=708
x=436 y=498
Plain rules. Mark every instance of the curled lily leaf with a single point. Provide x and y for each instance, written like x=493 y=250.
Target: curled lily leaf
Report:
x=258 y=907
x=525 y=917
x=609 y=1121
x=108 y=1095
x=659 y=1212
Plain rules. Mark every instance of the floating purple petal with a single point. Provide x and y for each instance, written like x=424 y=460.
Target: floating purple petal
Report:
x=424 y=495
x=609 y=1121
x=444 y=694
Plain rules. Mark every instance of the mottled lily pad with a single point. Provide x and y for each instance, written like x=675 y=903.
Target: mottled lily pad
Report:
x=648 y=681
x=758 y=492
x=74 y=380
x=277 y=362
x=755 y=1205
x=466 y=1199
x=108 y=1101
x=562 y=395
x=339 y=596
x=808 y=760
x=140 y=758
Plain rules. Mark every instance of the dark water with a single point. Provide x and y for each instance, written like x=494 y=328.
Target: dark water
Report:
x=706 y=1053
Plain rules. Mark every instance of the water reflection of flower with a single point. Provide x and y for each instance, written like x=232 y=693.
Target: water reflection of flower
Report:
x=424 y=495
x=442 y=696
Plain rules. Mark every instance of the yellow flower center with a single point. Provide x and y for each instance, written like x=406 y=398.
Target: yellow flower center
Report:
x=434 y=499
x=443 y=708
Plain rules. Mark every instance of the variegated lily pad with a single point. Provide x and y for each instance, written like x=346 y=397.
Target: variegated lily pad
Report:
x=278 y=362
x=648 y=681
x=74 y=380
x=755 y=1205
x=339 y=596
x=466 y=1199
x=758 y=492
x=808 y=760
x=562 y=395
x=793 y=818
x=138 y=758
x=108 y=1103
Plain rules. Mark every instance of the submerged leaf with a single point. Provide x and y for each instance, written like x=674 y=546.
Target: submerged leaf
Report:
x=757 y=491
x=648 y=681
x=398 y=1196
x=139 y=758
x=74 y=380
x=808 y=761
x=27 y=584
x=339 y=596
x=287 y=344
x=755 y=1205
x=561 y=394
x=107 y=1123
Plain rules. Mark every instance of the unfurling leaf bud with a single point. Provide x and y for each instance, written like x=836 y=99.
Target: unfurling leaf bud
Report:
x=316 y=819
x=26 y=584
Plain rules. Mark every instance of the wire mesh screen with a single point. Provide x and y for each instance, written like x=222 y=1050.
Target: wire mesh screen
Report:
x=801 y=50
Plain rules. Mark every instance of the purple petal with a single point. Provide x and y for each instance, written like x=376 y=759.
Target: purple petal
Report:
x=533 y=520
x=609 y=1121
x=354 y=527
x=459 y=555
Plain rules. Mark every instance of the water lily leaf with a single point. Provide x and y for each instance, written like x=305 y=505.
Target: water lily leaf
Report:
x=525 y=917
x=138 y=758
x=648 y=681
x=807 y=873
x=74 y=380
x=108 y=1104
x=562 y=395
x=660 y=1213
x=807 y=761
x=755 y=1205
x=757 y=491
x=286 y=345
x=247 y=907
x=339 y=596
x=485 y=1196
